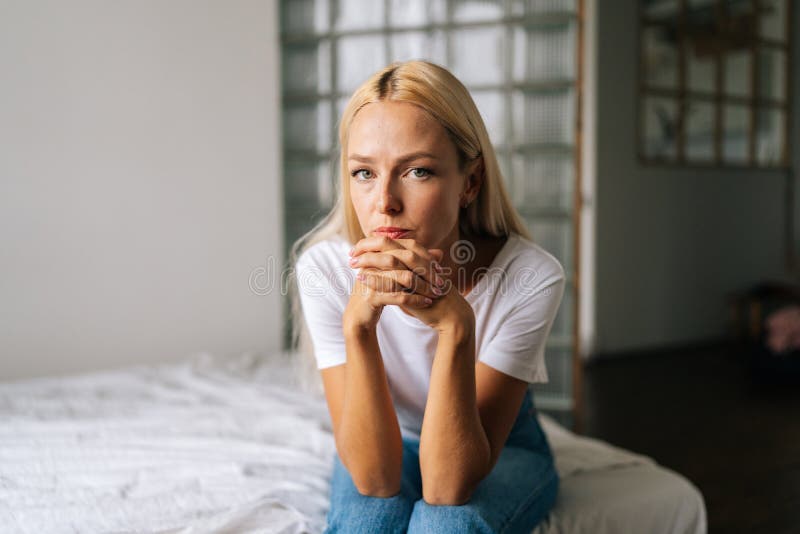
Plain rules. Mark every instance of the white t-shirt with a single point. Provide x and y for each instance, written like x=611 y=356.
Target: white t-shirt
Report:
x=515 y=303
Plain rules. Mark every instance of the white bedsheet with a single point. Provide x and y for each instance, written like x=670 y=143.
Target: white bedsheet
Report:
x=231 y=445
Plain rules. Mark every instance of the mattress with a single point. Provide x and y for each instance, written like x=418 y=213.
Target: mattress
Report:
x=231 y=444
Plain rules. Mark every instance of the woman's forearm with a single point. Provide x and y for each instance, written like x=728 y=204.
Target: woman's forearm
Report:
x=454 y=450
x=369 y=440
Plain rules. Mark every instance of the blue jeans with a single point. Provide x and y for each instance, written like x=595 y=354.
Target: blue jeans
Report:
x=513 y=498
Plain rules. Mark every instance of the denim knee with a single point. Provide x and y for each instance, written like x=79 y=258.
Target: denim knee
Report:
x=435 y=519
x=354 y=512
x=369 y=515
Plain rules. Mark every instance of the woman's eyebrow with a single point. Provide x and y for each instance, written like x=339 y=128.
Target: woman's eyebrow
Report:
x=400 y=160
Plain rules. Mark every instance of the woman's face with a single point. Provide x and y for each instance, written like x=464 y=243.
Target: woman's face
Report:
x=404 y=174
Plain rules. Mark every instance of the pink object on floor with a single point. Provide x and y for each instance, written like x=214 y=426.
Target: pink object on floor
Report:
x=783 y=329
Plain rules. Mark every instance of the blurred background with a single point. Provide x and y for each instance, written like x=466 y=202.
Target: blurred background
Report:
x=158 y=159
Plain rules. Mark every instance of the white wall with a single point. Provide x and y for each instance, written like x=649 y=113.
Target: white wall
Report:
x=671 y=243
x=139 y=181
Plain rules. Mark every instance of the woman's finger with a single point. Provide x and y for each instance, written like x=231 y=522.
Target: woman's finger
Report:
x=437 y=254
x=400 y=258
x=398 y=280
x=374 y=243
x=399 y=298
x=426 y=264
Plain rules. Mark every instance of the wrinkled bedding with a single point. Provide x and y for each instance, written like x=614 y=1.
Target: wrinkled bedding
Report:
x=213 y=444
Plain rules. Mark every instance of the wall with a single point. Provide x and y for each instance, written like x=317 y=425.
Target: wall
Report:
x=671 y=243
x=139 y=181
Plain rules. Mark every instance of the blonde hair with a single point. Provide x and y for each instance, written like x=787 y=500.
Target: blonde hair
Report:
x=434 y=89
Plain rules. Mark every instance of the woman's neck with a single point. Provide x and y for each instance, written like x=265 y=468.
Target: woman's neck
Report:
x=465 y=256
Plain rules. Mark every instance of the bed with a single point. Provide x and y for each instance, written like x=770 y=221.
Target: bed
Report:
x=231 y=444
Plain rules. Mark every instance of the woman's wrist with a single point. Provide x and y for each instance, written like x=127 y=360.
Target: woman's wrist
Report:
x=459 y=331
x=357 y=325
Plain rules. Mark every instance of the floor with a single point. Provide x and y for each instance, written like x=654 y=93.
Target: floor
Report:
x=701 y=412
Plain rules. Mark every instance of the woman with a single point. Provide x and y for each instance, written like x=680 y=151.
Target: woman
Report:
x=428 y=308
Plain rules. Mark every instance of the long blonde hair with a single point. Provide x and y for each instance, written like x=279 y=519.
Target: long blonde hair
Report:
x=437 y=91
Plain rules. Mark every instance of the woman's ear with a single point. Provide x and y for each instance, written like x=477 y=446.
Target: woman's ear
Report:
x=475 y=176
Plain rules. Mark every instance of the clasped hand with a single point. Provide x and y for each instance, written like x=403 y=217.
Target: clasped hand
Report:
x=404 y=273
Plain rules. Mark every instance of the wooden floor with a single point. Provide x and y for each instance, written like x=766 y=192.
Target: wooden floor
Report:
x=701 y=412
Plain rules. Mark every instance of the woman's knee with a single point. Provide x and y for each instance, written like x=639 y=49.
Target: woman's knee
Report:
x=352 y=511
x=363 y=514
x=515 y=497
x=430 y=518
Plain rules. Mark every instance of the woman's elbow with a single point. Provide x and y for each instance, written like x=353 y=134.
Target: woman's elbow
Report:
x=448 y=494
x=370 y=485
x=375 y=479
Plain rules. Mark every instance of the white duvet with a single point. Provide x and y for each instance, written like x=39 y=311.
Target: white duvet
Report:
x=231 y=445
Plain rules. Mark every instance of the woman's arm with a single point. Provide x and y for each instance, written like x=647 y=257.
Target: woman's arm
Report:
x=368 y=438
x=454 y=451
x=471 y=406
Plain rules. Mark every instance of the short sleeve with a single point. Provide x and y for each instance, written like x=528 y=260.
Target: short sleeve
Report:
x=517 y=349
x=321 y=295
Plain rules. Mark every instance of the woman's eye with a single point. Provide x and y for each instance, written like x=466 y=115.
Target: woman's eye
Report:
x=419 y=172
x=363 y=174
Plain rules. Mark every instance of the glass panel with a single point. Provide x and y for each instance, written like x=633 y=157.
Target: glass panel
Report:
x=559 y=370
x=699 y=131
x=341 y=103
x=736 y=136
x=300 y=218
x=543 y=181
x=478 y=55
x=544 y=116
x=358 y=14
x=769 y=136
x=737 y=69
x=563 y=321
x=525 y=7
x=405 y=13
x=772 y=74
x=554 y=236
x=700 y=6
x=659 y=57
x=660 y=128
x=307 y=126
x=544 y=53
x=505 y=171
x=418 y=45
x=309 y=183
x=491 y=105
x=307 y=68
x=739 y=8
x=659 y=9
x=357 y=59
x=772 y=20
x=477 y=10
x=701 y=70
x=304 y=16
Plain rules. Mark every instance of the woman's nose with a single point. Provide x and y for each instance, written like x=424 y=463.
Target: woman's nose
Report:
x=388 y=201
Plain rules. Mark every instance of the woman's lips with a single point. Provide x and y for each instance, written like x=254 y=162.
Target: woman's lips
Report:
x=391 y=233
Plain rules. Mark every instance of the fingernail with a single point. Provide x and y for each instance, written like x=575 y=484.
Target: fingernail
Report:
x=437 y=266
x=360 y=276
x=352 y=250
x=439 y=281
x=428 y=301
x=353 y=261
x=437 y=291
